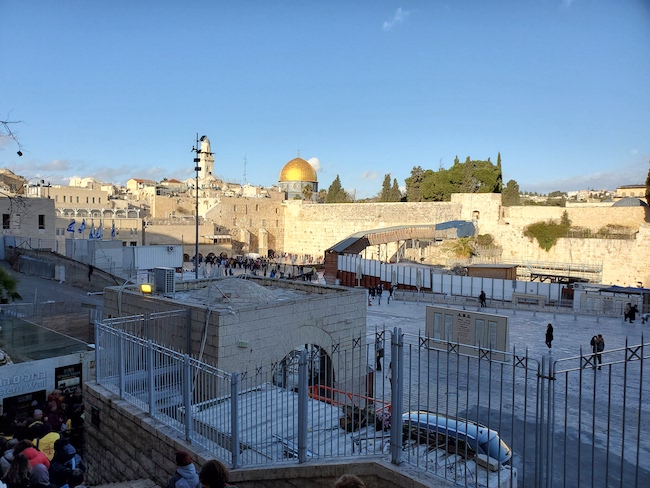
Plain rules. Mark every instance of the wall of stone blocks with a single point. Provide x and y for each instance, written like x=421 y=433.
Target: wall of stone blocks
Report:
x=313 y=228
x=623 y=260
x=128 y=445
x=253 y=214
x=589 y=217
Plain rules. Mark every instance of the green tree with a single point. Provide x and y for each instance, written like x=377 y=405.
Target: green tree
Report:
x=384 y=196
x=8 y=287
x=510 y=196
x=414 y=182
x=336 y=193
x=499 y=187
x=395 y=192
x=647 y=188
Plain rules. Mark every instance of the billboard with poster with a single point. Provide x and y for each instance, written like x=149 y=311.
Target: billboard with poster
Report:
x=68 y=378
x=480 y=330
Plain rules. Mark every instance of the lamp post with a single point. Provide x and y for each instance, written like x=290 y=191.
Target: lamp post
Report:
x=197 y=168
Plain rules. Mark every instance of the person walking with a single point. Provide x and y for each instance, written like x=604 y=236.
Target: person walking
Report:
x=632 y=313
x=481 y=301
x=600 y=347
x=549 y=335
x=379 y=353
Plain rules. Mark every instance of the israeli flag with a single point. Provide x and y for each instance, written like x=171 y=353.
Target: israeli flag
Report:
x=100 y=231
x=71 y=226
x=92 y=231
x=82 y=227
x=113 y=231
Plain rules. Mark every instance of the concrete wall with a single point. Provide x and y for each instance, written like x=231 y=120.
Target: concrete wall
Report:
x=127 y=444
x=76 y=273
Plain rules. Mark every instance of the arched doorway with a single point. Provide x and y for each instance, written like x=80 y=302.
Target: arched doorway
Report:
x=319 y=368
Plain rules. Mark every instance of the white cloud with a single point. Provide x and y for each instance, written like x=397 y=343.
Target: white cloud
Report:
x=399 y=18
x=369 y=175
x=607 y=180
x=315 y=162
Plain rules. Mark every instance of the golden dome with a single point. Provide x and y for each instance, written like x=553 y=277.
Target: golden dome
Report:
x=298 y=170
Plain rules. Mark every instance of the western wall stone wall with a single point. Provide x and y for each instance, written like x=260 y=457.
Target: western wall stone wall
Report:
x=587 y=216
x=624 y=261
x=263 y=217
x=313 y=228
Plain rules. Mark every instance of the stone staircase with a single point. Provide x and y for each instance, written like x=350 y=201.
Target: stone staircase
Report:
x=143 y=483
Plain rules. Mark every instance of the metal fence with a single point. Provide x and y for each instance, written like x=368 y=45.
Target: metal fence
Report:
x=567 y=422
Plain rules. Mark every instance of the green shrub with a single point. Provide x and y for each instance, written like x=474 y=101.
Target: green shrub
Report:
x=547 y=233
x=485 y=240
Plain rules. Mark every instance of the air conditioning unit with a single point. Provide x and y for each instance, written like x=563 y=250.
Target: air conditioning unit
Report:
x=170 y=248
x=165 y=280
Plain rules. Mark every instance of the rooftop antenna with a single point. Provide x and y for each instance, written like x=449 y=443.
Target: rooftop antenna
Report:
x=245 y=182
x=440 y=167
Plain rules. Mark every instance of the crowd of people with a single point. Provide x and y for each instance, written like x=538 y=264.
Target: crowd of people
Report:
x=50 y=460
x=43 y=450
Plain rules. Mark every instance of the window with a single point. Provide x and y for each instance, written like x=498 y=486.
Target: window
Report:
x=64 y=197
x=93 y=199
x=6 y=221
x=86 y=199
x=77 y=199
x=41 y=221
x=277 y=223
x=263 y=222
x=257 y=208
x=250 y=223
x=56 y=198
x=234 y=208
x=133 y=243
x=99 y=200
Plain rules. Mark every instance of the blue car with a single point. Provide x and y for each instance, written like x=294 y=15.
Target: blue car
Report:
x=456 y=435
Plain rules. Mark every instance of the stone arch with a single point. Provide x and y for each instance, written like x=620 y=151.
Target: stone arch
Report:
x=319 y=345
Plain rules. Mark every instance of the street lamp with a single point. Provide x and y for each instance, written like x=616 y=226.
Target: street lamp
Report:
x=197 y=168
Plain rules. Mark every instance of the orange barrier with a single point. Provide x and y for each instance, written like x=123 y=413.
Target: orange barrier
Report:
x=314 y=392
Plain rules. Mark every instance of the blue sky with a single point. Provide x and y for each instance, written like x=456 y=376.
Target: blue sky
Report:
x=120 y=89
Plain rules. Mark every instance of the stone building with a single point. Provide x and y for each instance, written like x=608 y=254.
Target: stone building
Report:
x=238 y=324
x=30 y=219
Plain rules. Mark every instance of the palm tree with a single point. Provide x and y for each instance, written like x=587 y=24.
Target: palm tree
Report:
x=8 y=287
x=308 y=191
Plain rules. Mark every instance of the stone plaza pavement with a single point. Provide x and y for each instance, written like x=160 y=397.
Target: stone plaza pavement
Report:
x=527 y=329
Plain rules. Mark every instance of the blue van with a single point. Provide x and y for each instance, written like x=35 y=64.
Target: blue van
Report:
x=463 y=435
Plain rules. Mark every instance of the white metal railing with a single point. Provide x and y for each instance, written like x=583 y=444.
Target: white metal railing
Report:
x=348 y=399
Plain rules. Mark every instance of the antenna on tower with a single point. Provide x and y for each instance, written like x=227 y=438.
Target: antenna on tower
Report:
x=440 y=167
x=245 y=182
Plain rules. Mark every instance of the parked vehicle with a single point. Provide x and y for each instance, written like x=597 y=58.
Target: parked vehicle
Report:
x=455 y=434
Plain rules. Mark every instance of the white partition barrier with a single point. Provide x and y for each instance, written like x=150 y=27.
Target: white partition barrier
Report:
x=428 y=279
